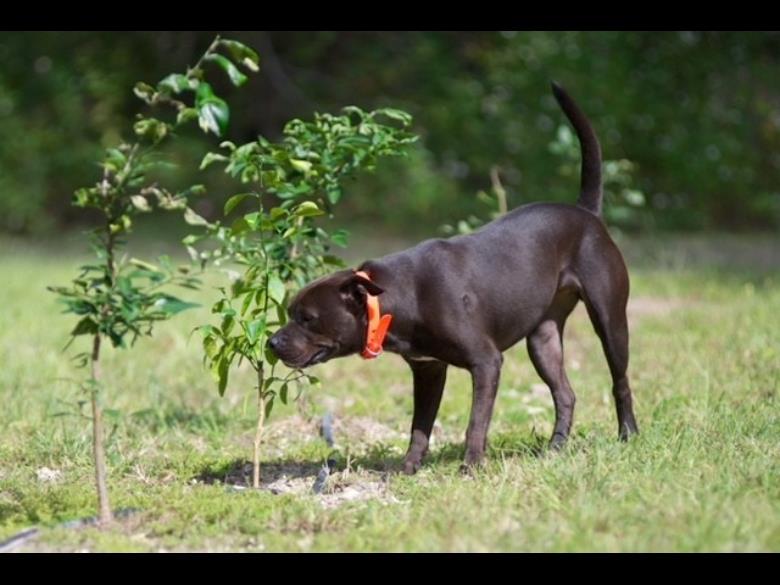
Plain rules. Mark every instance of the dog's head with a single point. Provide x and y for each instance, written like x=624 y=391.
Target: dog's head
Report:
x=327 y=320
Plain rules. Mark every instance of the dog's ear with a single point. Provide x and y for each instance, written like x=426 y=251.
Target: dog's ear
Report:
x=357 y=287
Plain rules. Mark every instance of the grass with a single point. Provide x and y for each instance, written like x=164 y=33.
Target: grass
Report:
x=703 y=475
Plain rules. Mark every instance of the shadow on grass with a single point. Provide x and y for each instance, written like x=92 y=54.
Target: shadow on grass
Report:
x=378 y=457
x=385 y=458
x=239 y=472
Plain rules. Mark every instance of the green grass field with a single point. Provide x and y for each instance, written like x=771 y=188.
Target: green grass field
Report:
x=703 y=475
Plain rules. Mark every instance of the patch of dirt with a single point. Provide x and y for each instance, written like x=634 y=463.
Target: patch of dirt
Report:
x=289 y=477
x=46 y=475
x=357 y=487
x=298 y=479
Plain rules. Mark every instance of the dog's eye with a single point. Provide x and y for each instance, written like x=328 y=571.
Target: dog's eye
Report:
x=307 y=317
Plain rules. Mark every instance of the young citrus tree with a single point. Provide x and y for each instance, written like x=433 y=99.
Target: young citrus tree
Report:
x=116 y=298
x=279 y=244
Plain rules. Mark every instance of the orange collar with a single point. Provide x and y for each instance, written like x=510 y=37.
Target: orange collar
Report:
x=378 y=325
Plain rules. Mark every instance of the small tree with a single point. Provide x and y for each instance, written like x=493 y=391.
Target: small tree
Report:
x=281 y=245
x=117 y=298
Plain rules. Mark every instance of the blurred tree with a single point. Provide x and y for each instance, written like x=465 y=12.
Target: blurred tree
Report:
x=697 y=113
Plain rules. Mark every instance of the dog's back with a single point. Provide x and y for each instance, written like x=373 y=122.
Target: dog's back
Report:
x=510 y=273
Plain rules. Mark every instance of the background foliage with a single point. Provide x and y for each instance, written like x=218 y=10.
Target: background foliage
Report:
x=698 y=114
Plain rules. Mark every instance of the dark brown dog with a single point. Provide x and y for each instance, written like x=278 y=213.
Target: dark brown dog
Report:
x=463 y=301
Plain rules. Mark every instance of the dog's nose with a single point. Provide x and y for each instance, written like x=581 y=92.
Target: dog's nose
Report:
x=274 y=343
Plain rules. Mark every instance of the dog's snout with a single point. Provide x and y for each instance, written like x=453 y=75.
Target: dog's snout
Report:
x=274 y=343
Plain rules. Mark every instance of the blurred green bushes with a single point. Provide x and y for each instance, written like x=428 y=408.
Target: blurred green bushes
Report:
x=696 y=114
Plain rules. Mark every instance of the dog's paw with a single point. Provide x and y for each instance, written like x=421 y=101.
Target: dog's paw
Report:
x=411 y=465
x=557 y=442
x=628 y=431
x=472 y=462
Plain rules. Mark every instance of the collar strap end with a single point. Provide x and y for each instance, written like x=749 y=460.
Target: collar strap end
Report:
x=378 y=325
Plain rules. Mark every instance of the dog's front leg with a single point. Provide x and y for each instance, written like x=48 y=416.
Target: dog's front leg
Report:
x=484 y=375
x=429 y=378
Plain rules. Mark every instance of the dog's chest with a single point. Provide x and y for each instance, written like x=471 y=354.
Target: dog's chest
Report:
x=421 y=358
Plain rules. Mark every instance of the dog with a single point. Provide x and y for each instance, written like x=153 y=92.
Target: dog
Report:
x=464 y=300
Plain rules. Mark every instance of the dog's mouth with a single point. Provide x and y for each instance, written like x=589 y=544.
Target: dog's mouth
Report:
x=321 y=355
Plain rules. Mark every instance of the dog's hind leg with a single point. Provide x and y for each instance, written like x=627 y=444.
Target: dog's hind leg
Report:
x=429 y=379
x=605 y=292
x=545 y=346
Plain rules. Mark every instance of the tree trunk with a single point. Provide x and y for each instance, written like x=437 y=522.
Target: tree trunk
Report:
x=259 y=430
x=104 y=515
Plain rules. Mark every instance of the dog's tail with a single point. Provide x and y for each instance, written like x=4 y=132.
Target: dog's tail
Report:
x=590 y=181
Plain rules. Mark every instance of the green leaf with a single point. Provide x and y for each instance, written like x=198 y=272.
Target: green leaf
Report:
x=177 y=83
x=227 y=323
x=213 y=112
x=143 y=264
x=81 y=359
x=231 y=203
x=239 y=227
x=254 y=329
x=394 y=114
x=194 y=254
x=281 y=314
x=301 y=165
x=172 y=306
x=144 y=91
x=151 y=129
x=243 y=54
x=84 y=327
x=124 y=223
x=277 y=212
x=193 y=218
x=270 y=356
x=236 y=77
x=140 y=203
x=115 y=160
x=210 y=158
x=334 y=195
x=185 y=115
x=332 y=260
x=220 y=370
x=253 y=220
x=246 y=303
x=269 y=406
x=308 y=209
x=276 y=289
x=213 y=116
x=340 y=238
x=196 y=190
x=82 y=197
x=210 y=347
x=283 y=393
